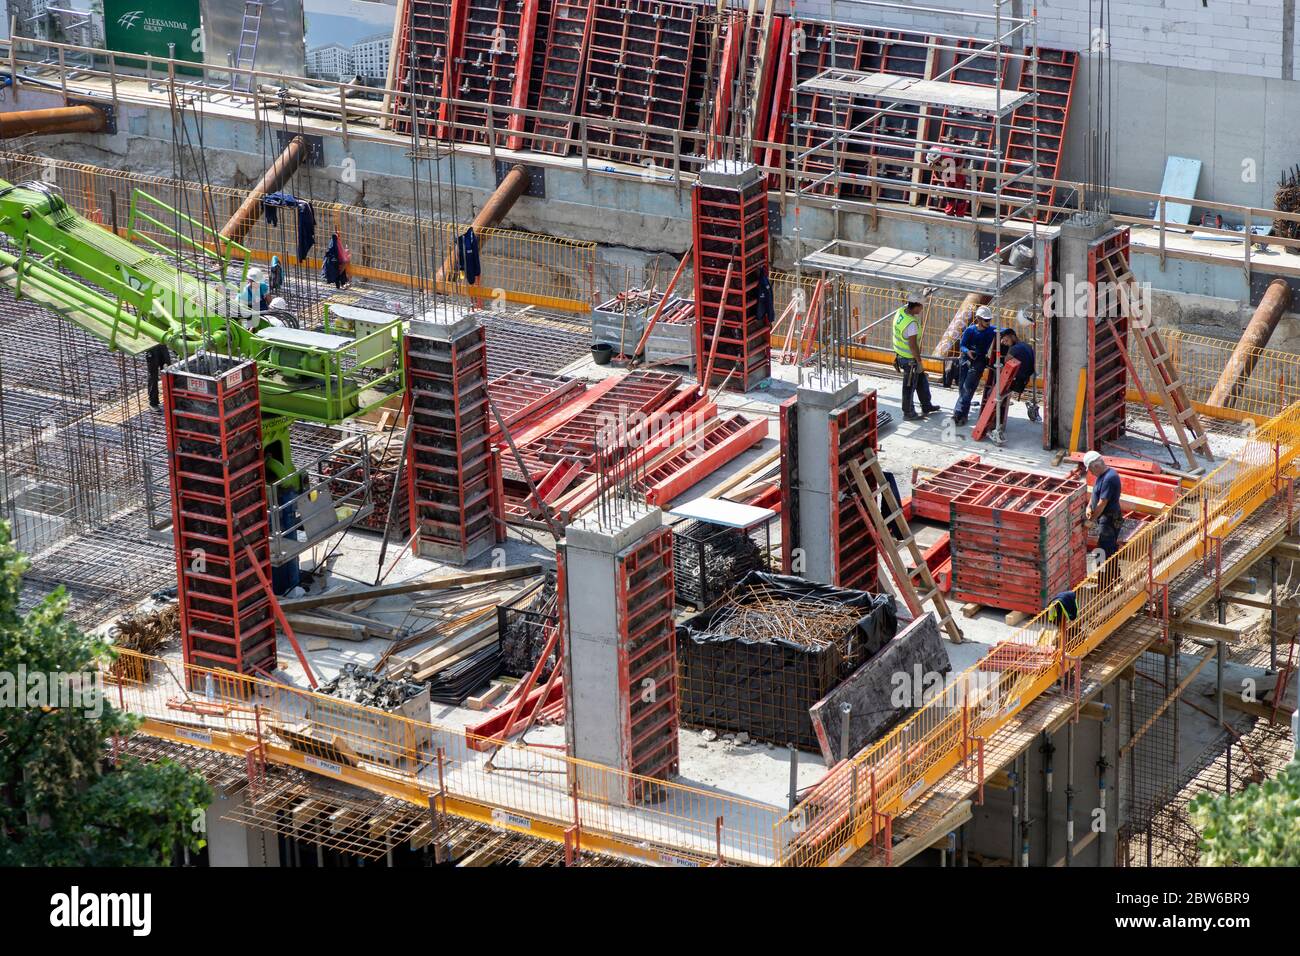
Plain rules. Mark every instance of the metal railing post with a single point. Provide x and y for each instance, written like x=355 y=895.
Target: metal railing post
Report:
x=1163 y=229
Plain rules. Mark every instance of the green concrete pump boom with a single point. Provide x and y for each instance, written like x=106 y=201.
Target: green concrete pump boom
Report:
x=124 y=291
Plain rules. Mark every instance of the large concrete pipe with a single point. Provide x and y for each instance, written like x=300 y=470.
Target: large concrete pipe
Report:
x=60 y=119
x=514 y=185
x=1276 y=300
x=285 y=165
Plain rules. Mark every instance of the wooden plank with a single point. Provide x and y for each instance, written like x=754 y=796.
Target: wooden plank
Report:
x=430 y=584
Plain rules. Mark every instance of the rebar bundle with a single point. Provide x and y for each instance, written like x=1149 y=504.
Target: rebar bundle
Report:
x=812 y=623
x=524 y=631
x=709 y=559
x=1287 y=199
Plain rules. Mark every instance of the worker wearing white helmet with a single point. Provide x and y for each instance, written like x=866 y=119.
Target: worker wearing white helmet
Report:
x=976 y=343
x=907 y=357
x=1104 y=505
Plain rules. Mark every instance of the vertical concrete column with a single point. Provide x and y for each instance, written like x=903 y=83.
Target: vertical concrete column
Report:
x=620 y=656
x=1070 y=323
x=234 y=844
x=817 y=496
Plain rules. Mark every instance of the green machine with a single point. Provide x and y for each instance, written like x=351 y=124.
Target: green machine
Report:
x=126 y=292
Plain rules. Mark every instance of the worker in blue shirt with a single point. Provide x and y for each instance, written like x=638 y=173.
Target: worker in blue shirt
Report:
x=1105 y=505
x=1010 y=347
x=974 y=347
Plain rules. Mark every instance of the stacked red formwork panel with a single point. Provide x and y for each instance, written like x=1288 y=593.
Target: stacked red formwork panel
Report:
x=1015 y=548
x=453 y=472
x=219 y=513
x=730 y=226
x=932 y=495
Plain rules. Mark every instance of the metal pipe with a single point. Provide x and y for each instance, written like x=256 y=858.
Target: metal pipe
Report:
x=59 y=119
x=794 y=776
x=1069 y=793
x=250 y=211
x=514 y=185
x=1276 y=301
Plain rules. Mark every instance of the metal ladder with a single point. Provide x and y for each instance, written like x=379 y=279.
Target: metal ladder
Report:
x=1152 y=350
x=866 y=502
x=246 y=52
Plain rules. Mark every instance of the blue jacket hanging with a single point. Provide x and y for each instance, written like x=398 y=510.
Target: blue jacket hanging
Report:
x=330 y=268
x=467 y=256
x=766 y=308
x=272 y=202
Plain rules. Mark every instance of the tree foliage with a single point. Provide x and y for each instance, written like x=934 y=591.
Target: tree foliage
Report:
x=62 y=800
x=1258 y=827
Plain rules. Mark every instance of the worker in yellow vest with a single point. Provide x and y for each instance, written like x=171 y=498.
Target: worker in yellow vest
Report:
x=907 y=357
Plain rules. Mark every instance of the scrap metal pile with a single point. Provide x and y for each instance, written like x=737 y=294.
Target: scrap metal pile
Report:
x=362 y=686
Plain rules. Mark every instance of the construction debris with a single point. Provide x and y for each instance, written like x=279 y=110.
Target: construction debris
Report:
x=362 y=686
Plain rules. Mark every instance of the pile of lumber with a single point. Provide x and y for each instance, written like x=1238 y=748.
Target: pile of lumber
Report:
x=146 y=632
x=447 y=628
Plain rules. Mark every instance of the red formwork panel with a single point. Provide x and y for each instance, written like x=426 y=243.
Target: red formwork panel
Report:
x=1107 y=399
x=212 y=410
x=492 y=58
x=965 y=129
x=423 y=64
x=730 y=225
x=932 y=495
x=815 y=48
x=451 y=471
x=560 y=79
x=637 y=71
x=647 y=660
x=1037 y=130
x=1014 y=548
x=854 y=553
x=902 y=54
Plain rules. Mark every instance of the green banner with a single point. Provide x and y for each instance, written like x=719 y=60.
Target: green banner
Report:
x=148 y=26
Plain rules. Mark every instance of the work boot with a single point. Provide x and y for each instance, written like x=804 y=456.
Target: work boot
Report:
x=912 y=417
x=931 y=410
x=959 y=419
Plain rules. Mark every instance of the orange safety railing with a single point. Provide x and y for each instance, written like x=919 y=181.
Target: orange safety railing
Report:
x=525 y=788
x=850 y=806
x=521 y=267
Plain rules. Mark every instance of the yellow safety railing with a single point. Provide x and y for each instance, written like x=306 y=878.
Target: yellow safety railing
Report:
x=525 y=788
x=1273 y=384
x=870 y=304
x=848 y=808
x=517 y=266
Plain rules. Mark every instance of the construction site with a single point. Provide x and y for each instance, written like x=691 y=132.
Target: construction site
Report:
x=740 y=433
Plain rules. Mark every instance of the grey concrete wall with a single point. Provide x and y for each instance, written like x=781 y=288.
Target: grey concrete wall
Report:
x=233 y=844
x=1256 y=38
x=1243 y=129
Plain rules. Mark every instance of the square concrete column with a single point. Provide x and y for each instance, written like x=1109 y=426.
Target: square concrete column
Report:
x=620 y=654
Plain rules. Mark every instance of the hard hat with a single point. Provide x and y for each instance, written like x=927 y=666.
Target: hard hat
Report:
x=279 y=303
x=933 y=156
x=255 y=275
x=915 y=298
x=1091 y=458
x=985 y=313
x=1006 y=330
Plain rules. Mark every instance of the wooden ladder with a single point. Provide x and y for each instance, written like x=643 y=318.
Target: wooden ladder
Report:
x=866 y=502
x=1187 y=424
